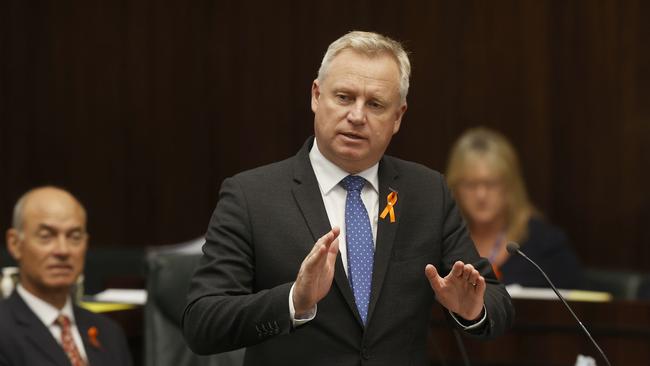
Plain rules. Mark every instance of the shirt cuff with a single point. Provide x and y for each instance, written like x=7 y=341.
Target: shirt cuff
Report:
x=292 y=312
x=465 y=324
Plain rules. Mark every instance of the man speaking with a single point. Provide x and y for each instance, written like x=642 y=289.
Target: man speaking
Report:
x=336 y=255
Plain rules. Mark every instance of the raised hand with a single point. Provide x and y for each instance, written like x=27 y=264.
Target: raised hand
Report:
x=461 y=291
x=316 y=273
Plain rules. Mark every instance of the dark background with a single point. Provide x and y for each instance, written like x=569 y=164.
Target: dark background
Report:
x=141 y=108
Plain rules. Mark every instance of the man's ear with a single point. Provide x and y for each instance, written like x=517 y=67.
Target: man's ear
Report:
x=315 y=94
x=14 y=243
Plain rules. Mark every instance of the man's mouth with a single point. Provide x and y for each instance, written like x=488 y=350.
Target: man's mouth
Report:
x=60 y=267
x=352 y=136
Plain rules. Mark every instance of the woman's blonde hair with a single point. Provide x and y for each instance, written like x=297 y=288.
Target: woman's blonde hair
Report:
x=501 y=157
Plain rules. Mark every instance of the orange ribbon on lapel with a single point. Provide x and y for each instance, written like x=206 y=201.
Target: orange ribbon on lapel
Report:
x=92 y=337
x=391 y=201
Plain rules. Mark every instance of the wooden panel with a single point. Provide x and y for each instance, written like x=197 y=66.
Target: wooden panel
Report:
x=142 y=107
x=544 y=333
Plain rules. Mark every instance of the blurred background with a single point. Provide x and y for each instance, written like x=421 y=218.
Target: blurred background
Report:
x=141 y=108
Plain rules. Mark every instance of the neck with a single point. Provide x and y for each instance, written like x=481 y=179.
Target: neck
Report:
x=487 y=230
x=57 y=300
x=351 y=167
x=485 y=236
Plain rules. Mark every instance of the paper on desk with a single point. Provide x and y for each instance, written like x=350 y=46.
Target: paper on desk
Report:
x=105 y=307
x=123 y=296
x=518 y=292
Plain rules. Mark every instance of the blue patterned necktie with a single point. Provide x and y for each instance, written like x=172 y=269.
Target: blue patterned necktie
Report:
x=358 y=236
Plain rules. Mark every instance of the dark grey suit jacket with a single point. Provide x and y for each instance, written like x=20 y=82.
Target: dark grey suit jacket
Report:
x=25 y=341
x=265 y=223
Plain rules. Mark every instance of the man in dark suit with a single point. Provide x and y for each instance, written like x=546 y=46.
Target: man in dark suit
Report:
x=332 y=257
x=40 y=324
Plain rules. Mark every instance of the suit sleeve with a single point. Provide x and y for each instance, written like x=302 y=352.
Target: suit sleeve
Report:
x=457 y=245
x=224 y=310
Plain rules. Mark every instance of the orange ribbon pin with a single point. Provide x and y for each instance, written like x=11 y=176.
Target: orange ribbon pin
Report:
x=92 y=337
x=391 y=201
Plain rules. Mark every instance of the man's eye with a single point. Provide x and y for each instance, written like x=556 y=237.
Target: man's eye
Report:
x=78 y=237
x=342 y=97
x=44 y=235
x=375 y=105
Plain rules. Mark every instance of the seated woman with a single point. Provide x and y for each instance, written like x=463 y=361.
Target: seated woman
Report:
x=484 y=175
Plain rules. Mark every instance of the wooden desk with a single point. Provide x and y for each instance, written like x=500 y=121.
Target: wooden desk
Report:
x=546 y=334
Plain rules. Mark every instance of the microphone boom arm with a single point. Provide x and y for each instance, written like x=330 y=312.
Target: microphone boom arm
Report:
x=513 y=248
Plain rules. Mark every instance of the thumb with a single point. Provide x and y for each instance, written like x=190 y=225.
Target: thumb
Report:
x=434 y=278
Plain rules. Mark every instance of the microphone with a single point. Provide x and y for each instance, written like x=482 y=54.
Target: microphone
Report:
x=513 y=248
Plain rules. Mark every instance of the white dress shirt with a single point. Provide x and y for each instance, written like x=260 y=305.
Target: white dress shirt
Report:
x=48 y=315
x=334 y=195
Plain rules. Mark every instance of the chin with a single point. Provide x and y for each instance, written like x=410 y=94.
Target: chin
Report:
x=483 y=219
x=61 y=282
x=348 y=157
x=350 y=153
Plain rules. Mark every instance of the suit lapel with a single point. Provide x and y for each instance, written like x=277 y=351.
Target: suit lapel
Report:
x=385 y=231
x=308 y=197
x=310 y=202
x=343 y=283
x=36 y=332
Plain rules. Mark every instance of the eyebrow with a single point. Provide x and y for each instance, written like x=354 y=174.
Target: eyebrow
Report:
x=56 y=230
x=372 y=95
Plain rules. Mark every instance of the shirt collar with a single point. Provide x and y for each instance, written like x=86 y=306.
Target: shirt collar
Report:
x=329 y=174
x=44 y=310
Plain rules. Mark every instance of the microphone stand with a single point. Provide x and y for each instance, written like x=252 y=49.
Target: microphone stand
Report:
x=513 y=248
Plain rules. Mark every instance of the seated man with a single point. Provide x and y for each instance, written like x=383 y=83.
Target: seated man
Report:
x=40 y=323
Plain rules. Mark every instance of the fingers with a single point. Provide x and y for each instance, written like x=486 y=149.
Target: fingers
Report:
x=457 y=269
x=467 y=274
x=323 y=245
x=327 y=239
x=473 y=276
x=333 y=246
x=480 y=284
x=335 y=232
x=315 y=274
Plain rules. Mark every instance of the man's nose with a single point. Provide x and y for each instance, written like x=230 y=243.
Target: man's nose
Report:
x=481 y=191
x=357 y=114
x=61 y=245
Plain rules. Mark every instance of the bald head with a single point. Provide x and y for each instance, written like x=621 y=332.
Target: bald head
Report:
x=50 y=199
x=48 y=240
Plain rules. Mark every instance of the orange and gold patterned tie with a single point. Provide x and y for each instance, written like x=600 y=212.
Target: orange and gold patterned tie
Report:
x=68 y=343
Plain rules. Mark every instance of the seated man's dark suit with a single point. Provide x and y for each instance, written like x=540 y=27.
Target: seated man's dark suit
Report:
x=266 y=222
x=26 y=341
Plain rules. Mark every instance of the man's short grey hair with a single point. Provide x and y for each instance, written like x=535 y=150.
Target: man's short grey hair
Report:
x=370 y=44
x=17 y=218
